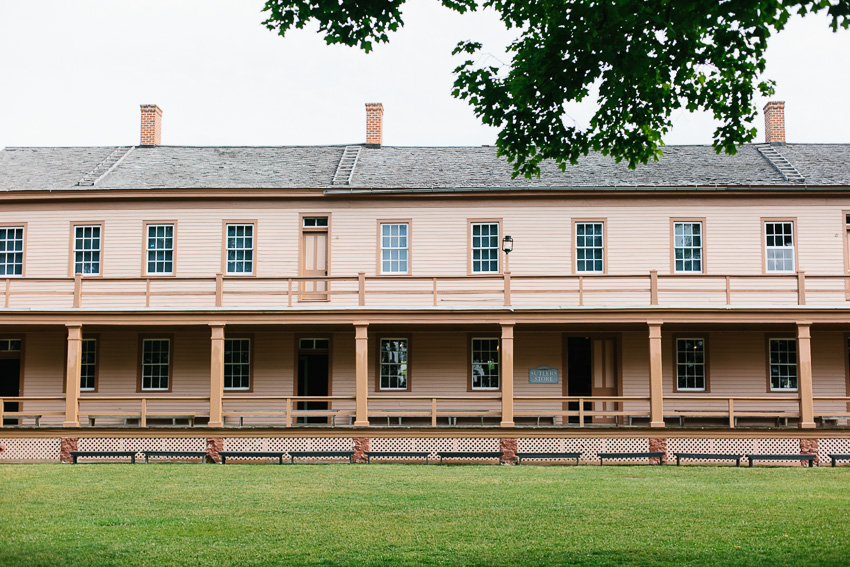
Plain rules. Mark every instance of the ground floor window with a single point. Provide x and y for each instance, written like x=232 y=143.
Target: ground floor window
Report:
x=237 y=364
x=485 y=364
x=690 y=364
x=88 y=364
x=393 y=362
x=783 y=364
x=156 y=362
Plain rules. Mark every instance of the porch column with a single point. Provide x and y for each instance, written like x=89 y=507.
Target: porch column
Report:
x=72 y=376
x=216 y=373
x=507 y=374
x=656 y=385
x=361 y=371
x=804 y=366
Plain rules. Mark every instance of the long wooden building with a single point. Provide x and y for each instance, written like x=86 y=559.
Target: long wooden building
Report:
x=421 y=298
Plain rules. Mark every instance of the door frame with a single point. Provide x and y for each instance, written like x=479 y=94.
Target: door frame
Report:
x=325 y=336
x=302 y=230
x=618 y=363
x=16 y=355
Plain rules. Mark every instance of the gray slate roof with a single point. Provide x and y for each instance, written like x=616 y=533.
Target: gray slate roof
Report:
x=390 y=167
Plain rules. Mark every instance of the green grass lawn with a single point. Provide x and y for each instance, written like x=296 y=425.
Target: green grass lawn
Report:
x=189 y=514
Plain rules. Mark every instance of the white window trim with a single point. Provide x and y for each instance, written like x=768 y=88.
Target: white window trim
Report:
x=472 y=363
x=381 y=364
x=700 y=247
x=472 y=248
x=703 y=364
x=225 y=366
x=228 y=249
x=577 y=247
x=167 y=365
x=406 y=248
x=23 y=247
x=148 y=249
x=99 y=249
x=769 y=364
x=91 y=341
x=792 y=248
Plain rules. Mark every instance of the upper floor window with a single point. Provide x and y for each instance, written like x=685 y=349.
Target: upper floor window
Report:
x=687 y=247
x=779 y=246
x=156 y=364
x=590 y=250
x=88 y=365
x=11 y=251
x=394 y=248
x=690 y=364
x=87 y=241
x=783 y=364
x=393 y=364
x=485 y=247
x=240 y=249
x=237 y=364
x=160 y=249
x=485 y=364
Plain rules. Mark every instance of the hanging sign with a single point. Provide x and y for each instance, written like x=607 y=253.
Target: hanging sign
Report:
x=543 y=375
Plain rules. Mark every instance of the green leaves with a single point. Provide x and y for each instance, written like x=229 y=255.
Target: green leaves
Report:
x=647 y=58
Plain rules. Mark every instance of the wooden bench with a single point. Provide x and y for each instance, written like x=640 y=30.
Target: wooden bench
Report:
x=189 y=417
x=186 y=454
x=838 y=457
x=551 y=456
x=115 y=415
x=389 y=414
x=320 y=454
x=641 y=455
x=77 y=454
x=469 y=455
x=537 y=414
x=243 y=414
x=801 y=457
x=708 y=457
x=453 y=415
x=252 y=455
x=398 y=454
x=23 y=415
x=318 y=413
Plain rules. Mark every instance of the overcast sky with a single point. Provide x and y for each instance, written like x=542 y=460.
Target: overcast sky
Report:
x=75 y=72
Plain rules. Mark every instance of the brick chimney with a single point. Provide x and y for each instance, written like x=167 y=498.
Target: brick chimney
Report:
x=151 y=125
x=774 y=122
x=374 y=123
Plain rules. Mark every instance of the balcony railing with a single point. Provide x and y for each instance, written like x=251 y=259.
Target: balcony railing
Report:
x=416 y=291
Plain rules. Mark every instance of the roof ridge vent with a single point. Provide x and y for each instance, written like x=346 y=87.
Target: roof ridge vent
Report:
x=345 y=168
x=785 y=168
x=104 y=167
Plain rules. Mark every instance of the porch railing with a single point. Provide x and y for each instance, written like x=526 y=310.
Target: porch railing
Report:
x=615 y=413
x=362 y=290
x=138 y=407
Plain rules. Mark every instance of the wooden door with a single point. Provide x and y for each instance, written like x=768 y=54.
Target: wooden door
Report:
x=314 y=262
x=605 y=376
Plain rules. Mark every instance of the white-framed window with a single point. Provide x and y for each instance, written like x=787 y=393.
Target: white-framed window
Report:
x=590 y=249
x=160 y=249
x=237 y=364
x=783 y=364
x=88 y=364
x=240 y=249
x=779 y=246
x=11 y=251
x=315 y=222
x=87 y=241
x=687 y=247
x=485 y=247
x=393 y=362
x=485 y=364
x=690 y=364
x=394 y=248
x=156 y=363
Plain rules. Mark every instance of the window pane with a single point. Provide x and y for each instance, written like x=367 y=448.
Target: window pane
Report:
x=240 y=249
x=589 y=247
x=783 y=364
x=485 y=364
x=688 y=246
x=160 y=248
x=11 y=245
x=88 y=364
x=485 y=248
x=394 y=248
x=690 y=367
x=393 y=362
x=779 y=246
x=155 y=363
x=237 y=364
x=87 y=250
